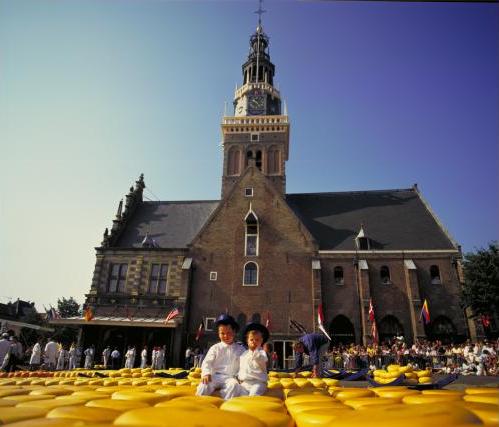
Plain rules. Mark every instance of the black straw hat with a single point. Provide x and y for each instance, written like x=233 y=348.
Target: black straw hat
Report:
x=256 y=327
x=225 y=319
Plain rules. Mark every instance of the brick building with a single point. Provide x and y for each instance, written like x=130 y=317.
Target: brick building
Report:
x=260 y=253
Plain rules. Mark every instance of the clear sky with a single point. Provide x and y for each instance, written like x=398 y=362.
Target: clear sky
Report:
x=380 y=95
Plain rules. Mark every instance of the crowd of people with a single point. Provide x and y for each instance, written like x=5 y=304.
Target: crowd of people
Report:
x=479 y=358
x=56 y=356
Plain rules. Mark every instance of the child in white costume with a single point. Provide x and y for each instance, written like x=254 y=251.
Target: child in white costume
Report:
x=221 y=364
x=253 y=363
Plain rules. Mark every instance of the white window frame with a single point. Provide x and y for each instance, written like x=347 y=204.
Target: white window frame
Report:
x=257 y=249
x=208 y=321
x=257 y=274
x=252 y=137
x=213 y=276
x=248 y=190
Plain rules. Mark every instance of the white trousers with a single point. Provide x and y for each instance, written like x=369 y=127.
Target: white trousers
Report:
x=252 y=388
x=228 y=387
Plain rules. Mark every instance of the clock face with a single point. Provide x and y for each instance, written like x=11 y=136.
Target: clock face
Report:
x=256 y=104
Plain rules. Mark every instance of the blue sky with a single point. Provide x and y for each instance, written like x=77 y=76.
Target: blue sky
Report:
x=94 y=92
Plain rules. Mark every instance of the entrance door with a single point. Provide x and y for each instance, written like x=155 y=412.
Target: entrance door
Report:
x=284 y=350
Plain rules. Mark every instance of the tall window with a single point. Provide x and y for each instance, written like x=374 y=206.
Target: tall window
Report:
x=258 y=160
x=384 y=274
x=338 y=275
x=251 y=248
x=250 y=274
x=435 y=275
x=157 y=281
x=117 y=279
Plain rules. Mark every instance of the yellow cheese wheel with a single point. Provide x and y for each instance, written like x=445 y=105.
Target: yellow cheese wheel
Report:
x=430 y=399
x=171 y=392
x=317 y=382
x=49 y=404
x=116 y=404
x=424 y=380
x=175 y=417
x=5 y=392
x=46 y=422
x=443 y=393
x=53 y=391
x=250 y=406
x=199 y=400
x=352 y=393
x=491 y=398
x=7 y=402
x=488 y=413
x=84 y=413
x=274 y=385
x=331 y=381
x=302 y=382
x=365 y=402
x=293 y=400
x=273 y=418
x=424 y=373
x=395 y=394
x=141 y=396
x=13 y=414
x=29 y=398
x=305 y=391
x=317 y=417
x=408 y=416
x=481 y=390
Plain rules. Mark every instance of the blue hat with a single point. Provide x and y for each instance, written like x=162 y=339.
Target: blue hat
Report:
x=256 y=327
x=225 y=319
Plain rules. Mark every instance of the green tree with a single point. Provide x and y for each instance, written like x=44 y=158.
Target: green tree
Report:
x=68 y=307
x=481 y=277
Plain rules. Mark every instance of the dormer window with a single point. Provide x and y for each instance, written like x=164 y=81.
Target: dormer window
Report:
x=435 y=275
x=362 y=241
x=251 y=235
x=384 y=274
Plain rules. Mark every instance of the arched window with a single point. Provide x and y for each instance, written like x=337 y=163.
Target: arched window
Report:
x=389 y=328
x=251 y=240
x=338 y=275
x=250 y=274
x=435 y=275
x=384 y=274
x=233 y=167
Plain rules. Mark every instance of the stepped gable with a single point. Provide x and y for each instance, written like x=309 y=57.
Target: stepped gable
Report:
x=172 y=225
x=393 y=220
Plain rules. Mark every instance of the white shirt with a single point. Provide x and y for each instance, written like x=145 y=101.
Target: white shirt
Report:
x=51 y=350
x=222 y=359
x=36 y=354
x=253 y=366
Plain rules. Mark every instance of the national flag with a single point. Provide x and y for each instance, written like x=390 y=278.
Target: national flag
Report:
x=374 y=332
x=297 y=326
x=54 y=313
x=425 y=313
x=371 y=311
x=88 y=314
x=172 y=314
x=200 y=331
x=320 y=321
x=485 y=318
x=268 y=321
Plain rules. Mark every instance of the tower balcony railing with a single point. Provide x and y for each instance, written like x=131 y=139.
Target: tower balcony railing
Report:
x=255 y=120
x=267 y=87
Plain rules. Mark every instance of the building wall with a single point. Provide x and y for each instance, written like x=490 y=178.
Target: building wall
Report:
x=285 y=287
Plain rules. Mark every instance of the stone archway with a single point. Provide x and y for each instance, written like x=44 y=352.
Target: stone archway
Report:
x=389 y=327
x=442 y=329
x=341 y=330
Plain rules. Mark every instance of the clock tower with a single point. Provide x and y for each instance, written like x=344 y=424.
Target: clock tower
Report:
x=258 y=131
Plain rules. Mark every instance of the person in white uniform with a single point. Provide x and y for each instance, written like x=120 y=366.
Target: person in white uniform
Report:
x=143 y=358
x=50 y=354
x=36 y=356
x=4 y=349
x=61 y=359
x=105 y=357
x=89 y=357
x=130 y=357
x=72 y=357
x=252 y=374
x=221 y=364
